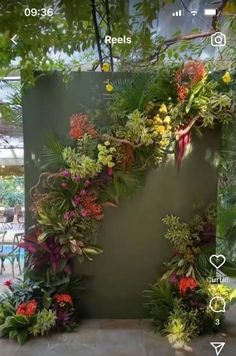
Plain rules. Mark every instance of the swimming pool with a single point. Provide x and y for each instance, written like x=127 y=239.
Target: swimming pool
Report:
x=8 y=249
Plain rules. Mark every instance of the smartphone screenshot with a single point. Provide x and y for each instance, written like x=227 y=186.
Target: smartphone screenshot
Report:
x=118 y=177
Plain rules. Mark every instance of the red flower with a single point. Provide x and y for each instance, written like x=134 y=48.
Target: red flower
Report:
x=63 y=298
x=31 y=307
x=186 y=283
x=27 y=309
x=194 y=70
x=191 y=73
x=79 y=126
x=182 y=92
x=8 y=283
x=21 y=309
x=89 y=206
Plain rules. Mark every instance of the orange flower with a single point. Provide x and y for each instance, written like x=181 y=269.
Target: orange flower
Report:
x=27 y=309
x=191 y=73
x=89 y=206
x=194 y=70
x=31 y=307
x=186 y=283
x=63 y=298
x=79 y=126
x=21 y=309
x=182 y=92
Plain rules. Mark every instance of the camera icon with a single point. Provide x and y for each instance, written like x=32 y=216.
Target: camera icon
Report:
x=218 y=39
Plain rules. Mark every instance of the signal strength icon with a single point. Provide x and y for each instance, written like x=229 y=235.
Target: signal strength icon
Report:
x=177 y=13
x=193 y=12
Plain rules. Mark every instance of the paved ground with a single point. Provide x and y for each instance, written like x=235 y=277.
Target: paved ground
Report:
x=115 y=338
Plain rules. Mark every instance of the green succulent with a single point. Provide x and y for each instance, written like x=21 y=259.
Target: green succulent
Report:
x=181 y=325
x=80 y=164
x=46 y=320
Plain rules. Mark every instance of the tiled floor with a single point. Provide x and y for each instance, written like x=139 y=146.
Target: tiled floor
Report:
x=115 y=338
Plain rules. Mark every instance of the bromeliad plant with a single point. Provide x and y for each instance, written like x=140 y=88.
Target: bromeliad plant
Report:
x=151 y=116
x=180 y=301
x=29 y=308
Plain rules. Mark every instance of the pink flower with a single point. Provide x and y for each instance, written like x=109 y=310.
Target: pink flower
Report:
x=83 y=212
x=110 y=171
x=67 y=215
x=83 y=192
x=65 y=173
x=8 y=283
x=76 y=200
x=87 y=183
x=174 y=278
x=64 y=185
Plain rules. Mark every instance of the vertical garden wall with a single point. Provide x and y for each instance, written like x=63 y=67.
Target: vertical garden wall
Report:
x=132 y=233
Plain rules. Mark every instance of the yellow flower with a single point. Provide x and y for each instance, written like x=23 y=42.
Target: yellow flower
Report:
x=160 y=129
x=168 y=127
x=107 y=143
x=109 y=87
x=163 y=109
x=164 y=142
x=110 y=164
x=167 y=120
x=106 y=67
x=158 y=120
x=226 y=78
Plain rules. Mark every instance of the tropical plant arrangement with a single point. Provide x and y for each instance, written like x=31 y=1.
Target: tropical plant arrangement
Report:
x=180 y=301
x=151 y=116
x=33 y=308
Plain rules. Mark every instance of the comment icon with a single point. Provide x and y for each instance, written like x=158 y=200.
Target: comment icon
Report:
x=217 y=304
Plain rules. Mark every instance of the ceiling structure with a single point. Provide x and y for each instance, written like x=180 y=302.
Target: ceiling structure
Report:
x=11 y=140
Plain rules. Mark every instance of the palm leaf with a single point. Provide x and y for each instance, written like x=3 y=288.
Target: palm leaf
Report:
x=160 y=302
x=130 y=93
x=124 y=185
x=52 y=154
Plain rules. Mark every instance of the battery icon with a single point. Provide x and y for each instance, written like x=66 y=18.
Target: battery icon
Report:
x=210 y=12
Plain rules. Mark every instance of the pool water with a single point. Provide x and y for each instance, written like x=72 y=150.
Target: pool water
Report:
x=8 y=249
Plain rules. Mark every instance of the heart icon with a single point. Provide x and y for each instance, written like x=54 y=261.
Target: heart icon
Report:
x=217 y=260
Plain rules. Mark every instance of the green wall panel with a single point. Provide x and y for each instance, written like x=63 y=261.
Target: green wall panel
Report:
x=132 y=234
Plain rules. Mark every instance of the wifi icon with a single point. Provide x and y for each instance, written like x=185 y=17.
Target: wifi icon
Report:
x=193 y=12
